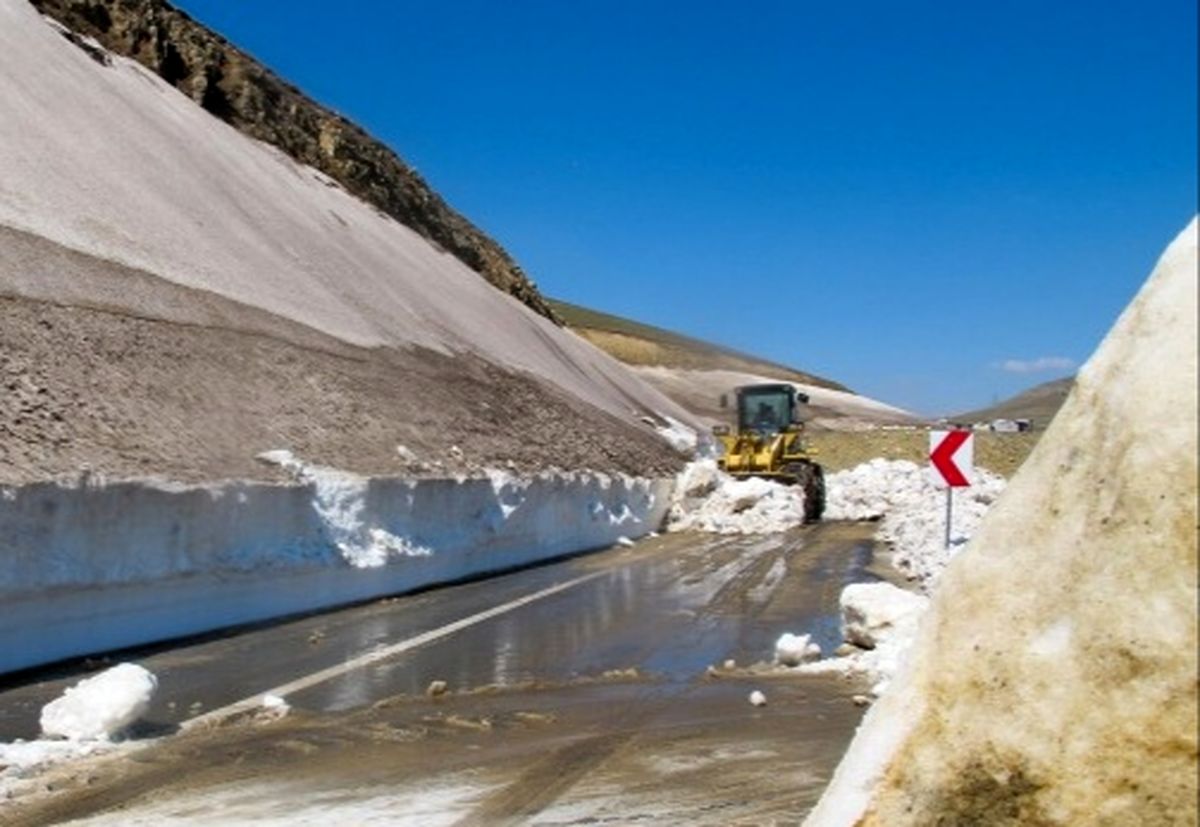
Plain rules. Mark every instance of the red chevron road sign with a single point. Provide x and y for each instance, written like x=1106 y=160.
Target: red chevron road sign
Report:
x=951 y=453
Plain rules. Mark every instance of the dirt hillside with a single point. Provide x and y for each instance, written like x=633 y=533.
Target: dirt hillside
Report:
x=177 y=298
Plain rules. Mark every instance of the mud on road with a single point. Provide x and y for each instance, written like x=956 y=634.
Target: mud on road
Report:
x=598 y=705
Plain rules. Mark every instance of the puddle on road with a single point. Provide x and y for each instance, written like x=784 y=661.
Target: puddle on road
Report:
x=667 y=617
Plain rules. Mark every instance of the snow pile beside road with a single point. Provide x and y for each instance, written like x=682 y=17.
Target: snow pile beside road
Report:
x=1054 y=676
x=83 y=721
x=706 y=499
x=101 y=706
x=913 y=510
x=880 y=620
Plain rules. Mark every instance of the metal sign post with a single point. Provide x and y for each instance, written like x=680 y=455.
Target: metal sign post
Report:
x=949 y=512
x=951 y=459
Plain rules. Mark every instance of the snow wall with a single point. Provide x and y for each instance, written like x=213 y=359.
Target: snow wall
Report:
x=91 y=568
x=1053 y=679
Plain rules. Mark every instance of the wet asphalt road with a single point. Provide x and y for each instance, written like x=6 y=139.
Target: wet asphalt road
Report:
x=612 y=657
x=670 y=607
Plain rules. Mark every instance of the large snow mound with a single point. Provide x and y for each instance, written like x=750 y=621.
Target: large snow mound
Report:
x=913 y=511
x=1053 y=679
x=707 y=499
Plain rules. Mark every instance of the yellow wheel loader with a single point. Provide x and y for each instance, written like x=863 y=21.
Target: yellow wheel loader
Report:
x=769 y=442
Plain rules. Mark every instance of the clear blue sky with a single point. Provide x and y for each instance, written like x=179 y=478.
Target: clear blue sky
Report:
x=900 y=196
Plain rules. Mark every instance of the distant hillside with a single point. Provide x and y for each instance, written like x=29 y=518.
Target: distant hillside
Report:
x=1039 y=404
x=644 y=345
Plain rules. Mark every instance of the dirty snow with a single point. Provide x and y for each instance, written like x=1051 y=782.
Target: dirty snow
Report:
x=912 y=509
x=707 y=499
x=1091 y=551
x=437 y=802
x=22 y=760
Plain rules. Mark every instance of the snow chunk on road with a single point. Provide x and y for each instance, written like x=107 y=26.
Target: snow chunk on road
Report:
x=913 y=511
x=706 y=499
x=101 y=706
x=881 y=618
x=793 y=650
x=872 y=612
x=82 y=722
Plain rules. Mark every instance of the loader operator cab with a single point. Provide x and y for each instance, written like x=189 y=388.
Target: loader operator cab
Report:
x=768 y=409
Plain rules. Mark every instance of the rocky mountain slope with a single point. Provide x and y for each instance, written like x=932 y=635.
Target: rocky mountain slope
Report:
x=236 y=88
x=178 y=298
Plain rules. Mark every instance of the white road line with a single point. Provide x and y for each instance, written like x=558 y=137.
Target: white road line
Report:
x=376 y=655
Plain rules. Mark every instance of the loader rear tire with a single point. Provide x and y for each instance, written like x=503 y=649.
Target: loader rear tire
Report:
x=811 y=478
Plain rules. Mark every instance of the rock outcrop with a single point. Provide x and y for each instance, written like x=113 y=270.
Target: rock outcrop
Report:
x=235 y=87
x=1054 y=679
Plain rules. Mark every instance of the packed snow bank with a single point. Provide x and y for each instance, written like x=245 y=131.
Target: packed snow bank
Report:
x=100 y=706
x=1053 y=679
x=913 y=511
x=707 y=499
x=98 y=567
